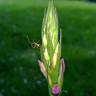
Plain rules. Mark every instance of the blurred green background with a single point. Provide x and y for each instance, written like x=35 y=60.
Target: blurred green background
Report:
x=19 y=72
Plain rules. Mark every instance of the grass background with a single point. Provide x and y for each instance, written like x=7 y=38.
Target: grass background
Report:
x=19 y=71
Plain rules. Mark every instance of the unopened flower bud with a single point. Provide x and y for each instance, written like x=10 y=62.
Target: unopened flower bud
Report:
x=55 y=89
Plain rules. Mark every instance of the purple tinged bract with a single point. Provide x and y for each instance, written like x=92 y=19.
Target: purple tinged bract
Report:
x=55 y=89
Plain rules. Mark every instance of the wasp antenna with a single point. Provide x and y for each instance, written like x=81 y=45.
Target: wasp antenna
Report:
x=38 y=41
x=28 y=39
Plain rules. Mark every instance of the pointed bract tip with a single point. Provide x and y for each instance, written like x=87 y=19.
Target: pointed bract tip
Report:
x=42 y=68
x=62 y=65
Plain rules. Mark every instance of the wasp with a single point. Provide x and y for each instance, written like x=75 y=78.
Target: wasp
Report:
x=34 y=44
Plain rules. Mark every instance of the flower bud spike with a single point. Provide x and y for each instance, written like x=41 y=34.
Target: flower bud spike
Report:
x=52 y=67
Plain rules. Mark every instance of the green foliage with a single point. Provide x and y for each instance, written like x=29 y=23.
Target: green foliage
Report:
x=70 y=0
x=93 y=0
x=18 y=62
